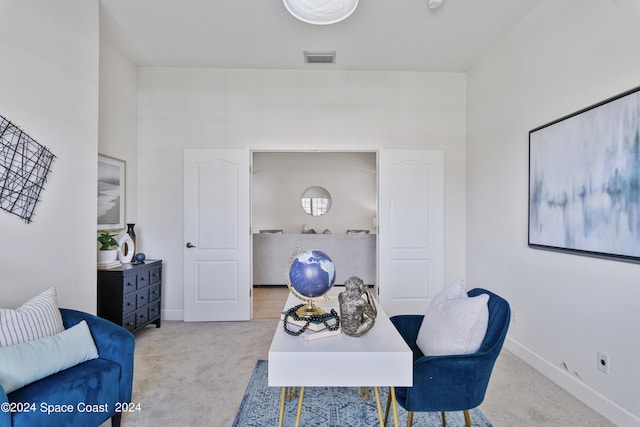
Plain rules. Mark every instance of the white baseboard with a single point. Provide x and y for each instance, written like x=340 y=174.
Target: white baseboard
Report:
x=590 y=397
x=172 y=314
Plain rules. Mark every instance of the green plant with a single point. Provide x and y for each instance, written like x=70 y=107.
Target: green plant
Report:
x=107 y=240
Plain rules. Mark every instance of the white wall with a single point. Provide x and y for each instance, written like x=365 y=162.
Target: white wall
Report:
x=269 y=109
x=118 y=129
x=566 y=55
x=279 y=179
x=49 y=87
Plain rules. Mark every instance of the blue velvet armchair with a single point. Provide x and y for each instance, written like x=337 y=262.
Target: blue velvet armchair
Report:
x=85 y=395
x=457 y=382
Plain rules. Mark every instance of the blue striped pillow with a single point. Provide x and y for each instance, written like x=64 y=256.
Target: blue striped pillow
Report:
x=35 y=319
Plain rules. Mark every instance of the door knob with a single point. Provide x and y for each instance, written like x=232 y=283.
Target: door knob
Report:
x=189 y=245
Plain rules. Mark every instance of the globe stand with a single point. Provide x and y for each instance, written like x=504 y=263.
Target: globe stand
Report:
x=309 y=310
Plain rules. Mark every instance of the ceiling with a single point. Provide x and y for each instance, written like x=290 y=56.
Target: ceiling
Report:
x=392 y=35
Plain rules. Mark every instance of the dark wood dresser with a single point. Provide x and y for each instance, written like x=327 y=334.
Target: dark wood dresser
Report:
x=131 y=295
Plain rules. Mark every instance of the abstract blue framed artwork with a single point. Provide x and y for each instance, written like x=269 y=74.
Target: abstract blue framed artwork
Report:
x=584 y=181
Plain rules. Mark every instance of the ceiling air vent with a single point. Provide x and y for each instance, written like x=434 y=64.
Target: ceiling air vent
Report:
x=319 y=57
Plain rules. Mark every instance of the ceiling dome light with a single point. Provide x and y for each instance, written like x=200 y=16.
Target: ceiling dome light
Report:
x=434 y=4
x=321 y=12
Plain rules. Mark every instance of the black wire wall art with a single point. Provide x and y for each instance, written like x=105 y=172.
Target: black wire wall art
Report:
x=24 y=166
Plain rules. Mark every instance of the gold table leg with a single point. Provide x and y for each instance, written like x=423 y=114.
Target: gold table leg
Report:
x=391 y=399
x=380 y=417
x=299 y=406
x=364 y=393
x=392 y=390
x=293 y=393
x=281 y=418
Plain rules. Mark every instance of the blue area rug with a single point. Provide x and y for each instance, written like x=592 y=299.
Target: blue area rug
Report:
x=329 y=407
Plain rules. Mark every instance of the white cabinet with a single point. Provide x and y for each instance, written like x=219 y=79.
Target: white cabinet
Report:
x=352 y=254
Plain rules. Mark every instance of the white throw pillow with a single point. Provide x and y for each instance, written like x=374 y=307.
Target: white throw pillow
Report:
x=24 y=363
x=454 y=323
x=454 y=290
x=37 y=318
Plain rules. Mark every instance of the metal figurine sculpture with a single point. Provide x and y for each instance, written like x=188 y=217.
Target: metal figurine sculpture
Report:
x=357 y=309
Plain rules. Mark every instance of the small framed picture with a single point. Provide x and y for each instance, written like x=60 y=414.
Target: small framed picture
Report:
x=111 y=192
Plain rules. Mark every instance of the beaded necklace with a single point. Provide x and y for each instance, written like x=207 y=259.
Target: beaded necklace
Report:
x=324 y=318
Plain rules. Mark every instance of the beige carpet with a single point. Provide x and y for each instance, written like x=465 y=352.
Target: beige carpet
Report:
x=195 y=374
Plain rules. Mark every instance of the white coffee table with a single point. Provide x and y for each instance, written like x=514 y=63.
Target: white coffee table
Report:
x=379 y=358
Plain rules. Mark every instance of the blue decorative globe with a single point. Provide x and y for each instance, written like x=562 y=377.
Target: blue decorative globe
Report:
x=311 y=273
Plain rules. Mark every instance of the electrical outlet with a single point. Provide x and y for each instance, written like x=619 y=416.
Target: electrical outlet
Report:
x=603 y=363
x=514 y=316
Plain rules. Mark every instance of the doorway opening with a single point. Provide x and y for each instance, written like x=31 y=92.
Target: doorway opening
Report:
x=347 y=231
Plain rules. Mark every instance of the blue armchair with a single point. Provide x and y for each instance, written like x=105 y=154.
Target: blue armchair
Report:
x=84 y=395
x=452 y=383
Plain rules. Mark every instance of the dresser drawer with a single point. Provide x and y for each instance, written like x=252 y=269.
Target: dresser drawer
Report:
x=154 y=310
x=130 y=322
x=142 y=297
x=155 y=275
x=129 y=303
x=154 y=292
x=143 y=279
x=130 y=282
x=142 y=317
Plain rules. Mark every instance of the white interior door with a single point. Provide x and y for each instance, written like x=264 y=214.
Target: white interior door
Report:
x=217 y=258
x=410 y=229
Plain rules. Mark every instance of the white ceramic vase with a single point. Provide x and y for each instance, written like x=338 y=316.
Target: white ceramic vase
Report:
x=125 y=245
